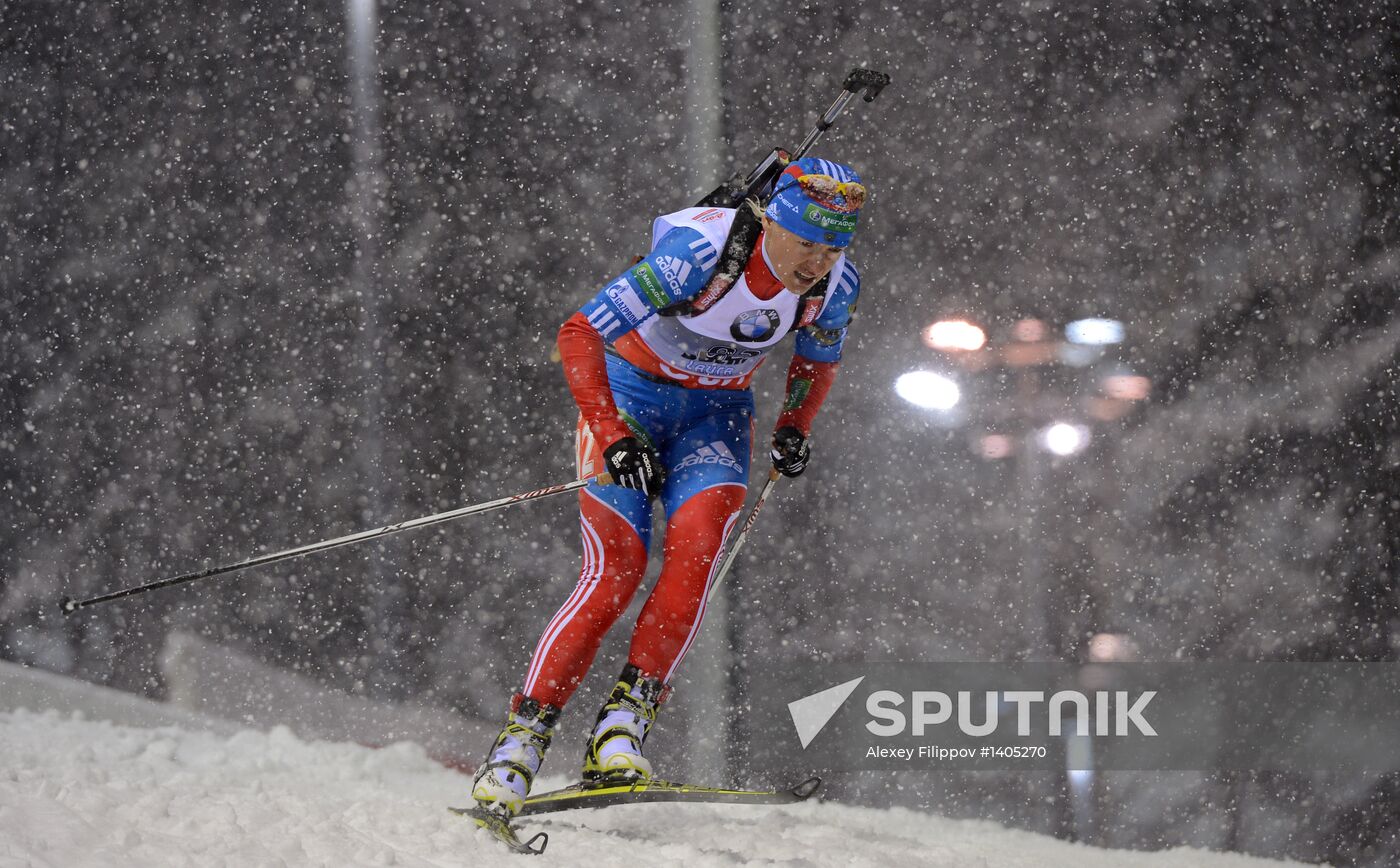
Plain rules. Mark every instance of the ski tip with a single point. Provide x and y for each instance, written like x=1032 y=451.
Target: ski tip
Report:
x=501 y=829
x=542 y=837
x=807 y=788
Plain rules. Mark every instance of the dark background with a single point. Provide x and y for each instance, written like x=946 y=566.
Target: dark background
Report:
x=192 y=370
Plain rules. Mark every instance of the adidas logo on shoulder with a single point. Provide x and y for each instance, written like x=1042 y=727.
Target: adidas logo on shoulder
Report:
x=675 y=270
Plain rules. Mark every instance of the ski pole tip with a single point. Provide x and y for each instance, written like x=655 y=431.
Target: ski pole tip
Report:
x=67 y=605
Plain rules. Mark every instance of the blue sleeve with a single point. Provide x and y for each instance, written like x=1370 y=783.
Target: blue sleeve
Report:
x=822 y=340
x=676 y=270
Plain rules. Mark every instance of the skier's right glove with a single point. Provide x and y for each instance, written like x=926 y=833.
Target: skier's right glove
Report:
x=790 y=451
x=632 y=465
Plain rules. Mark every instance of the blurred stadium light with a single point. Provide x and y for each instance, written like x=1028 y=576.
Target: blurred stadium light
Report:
x=1127 y=387
x=1030 y=330
x=993 y=446
x=929 y=390
x=1063 y=438
x=1112 y=648
x=954 y=335
x=1094 y=331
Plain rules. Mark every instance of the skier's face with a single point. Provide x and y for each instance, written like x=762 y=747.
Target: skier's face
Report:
x=797 y=263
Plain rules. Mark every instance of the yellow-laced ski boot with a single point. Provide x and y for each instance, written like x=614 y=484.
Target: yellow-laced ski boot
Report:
x=615 y=749
x=504 y=780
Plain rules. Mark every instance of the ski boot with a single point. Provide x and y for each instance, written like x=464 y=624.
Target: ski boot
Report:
x=504 y=780
x=615 y=749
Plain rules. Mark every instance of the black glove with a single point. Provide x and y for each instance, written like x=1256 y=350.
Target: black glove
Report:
x=790 y=451
x=632 y=465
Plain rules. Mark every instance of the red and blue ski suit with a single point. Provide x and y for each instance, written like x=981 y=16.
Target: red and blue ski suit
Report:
x=679 y=384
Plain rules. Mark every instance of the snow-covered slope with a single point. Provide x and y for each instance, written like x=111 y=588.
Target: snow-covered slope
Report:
x=78 y=792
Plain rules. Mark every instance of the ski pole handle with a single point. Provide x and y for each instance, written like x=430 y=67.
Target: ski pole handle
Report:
x=68 y=605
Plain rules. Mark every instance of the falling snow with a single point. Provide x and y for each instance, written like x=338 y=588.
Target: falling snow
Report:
x=245 y=308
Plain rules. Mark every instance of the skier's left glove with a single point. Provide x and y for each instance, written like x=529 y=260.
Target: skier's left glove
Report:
x=790 y=451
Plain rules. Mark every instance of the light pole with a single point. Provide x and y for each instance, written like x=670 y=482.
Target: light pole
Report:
x=389 y=603
x=713 y=673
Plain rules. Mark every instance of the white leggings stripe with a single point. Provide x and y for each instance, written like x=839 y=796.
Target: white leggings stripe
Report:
x=561 y=618
x=587 y=583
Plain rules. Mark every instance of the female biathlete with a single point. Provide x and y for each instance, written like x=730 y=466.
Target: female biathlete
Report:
x=659 y=362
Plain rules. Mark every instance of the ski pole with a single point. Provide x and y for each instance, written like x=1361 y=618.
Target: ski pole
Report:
x=69 y=605
x=729 y=556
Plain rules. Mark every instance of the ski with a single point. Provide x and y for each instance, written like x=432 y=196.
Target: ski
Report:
x=503 y=831
x=602 y=795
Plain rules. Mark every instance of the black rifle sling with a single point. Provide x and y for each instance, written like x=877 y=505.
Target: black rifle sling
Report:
x=738 y=247
x=811 y=304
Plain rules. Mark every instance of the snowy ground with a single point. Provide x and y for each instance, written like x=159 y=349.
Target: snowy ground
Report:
x=77 y=792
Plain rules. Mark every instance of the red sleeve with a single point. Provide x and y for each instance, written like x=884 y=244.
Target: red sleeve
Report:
x=807 y=384
x=581 y=349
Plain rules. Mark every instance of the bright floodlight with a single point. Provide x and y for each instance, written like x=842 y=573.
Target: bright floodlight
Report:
x=955 y=334
x=1064 y=438
x=1094 y=331
x=927 y=389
